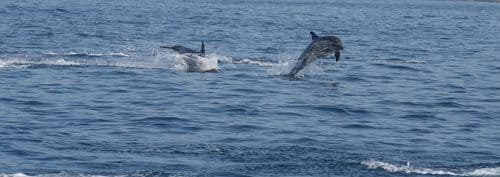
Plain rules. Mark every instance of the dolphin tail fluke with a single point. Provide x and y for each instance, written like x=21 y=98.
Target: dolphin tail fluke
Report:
x=314 y=35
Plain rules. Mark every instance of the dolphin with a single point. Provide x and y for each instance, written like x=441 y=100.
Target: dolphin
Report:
x=184 y=50
x=319 y=47
x=195 y=60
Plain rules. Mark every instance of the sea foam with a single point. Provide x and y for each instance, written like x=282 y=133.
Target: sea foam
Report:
x=373 y=164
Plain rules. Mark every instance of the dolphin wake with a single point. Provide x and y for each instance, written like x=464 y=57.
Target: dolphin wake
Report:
x=169 y=61
x=373 y=164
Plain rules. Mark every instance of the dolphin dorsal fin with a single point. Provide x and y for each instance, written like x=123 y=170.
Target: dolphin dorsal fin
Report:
x=202 y=50
x=314 y=35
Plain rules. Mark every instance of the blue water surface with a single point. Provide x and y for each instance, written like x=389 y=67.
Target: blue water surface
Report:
x=85 y=89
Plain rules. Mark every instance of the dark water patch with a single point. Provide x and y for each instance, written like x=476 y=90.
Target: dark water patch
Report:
x=359 y=126
x=237 y=140
x=421 y=117
x=383 y=77
x=227 y=174
x=488 y=100
x=118 y=91
x=449 y=104
x=87 y=35
x=35 y=103
x=243 y=76
x=268 y=50
x=397 y=67
x=61 y=10
x=357 y=111
x=393 y=144
x=23 y=139
x=240 y=110
x=295 y=114
x=454 y=86
x=303 y=140
x=248 y=90
x=102 y=107
x=467 y=130
x=284 y=132
x=245 y=128
x=22 y=152
x=420 y=131
x=193 y=128
x=138 y=22
x=453 y=145
x=8 y=100
x=329 y=108
x=353 y=78
x=420 y=140
x=477 y=152
x=59 y=158
x=403 y=103
x=493 y=88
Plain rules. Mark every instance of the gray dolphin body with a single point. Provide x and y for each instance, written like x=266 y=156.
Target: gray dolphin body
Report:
x=192 y=59
x=319 y=47
x=184 y=50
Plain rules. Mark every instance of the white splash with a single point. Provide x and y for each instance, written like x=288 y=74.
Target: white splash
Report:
x=64 y=174
x=51 y=175
x=90 y=54
x=22 y=63
x=399 y=60
x=254 y=62
x=286 y=63
x=192 y=63
x=486 y=172
x=373 y=164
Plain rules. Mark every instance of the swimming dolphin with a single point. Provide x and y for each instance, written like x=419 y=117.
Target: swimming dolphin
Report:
x=319 y=47
x=184 y=50
x=195 y=61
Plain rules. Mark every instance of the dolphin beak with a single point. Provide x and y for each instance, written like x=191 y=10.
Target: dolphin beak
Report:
x=337 y=56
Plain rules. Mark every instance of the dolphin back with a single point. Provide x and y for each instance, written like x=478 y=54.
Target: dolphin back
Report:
x=184 y=50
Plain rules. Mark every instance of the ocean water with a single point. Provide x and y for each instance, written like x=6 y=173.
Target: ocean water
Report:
x=85 y=89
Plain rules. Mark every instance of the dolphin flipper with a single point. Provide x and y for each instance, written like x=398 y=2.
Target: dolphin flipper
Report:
x=337 y=56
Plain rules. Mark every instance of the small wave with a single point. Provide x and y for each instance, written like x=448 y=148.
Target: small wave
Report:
x=254 y=61
x=373 y=164
x=89 y=54
x=51 y=175
x=400 y=60
x=22 y=63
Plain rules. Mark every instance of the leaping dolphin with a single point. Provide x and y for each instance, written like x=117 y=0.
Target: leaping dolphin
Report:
x=319 y=47
x=184 y=50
